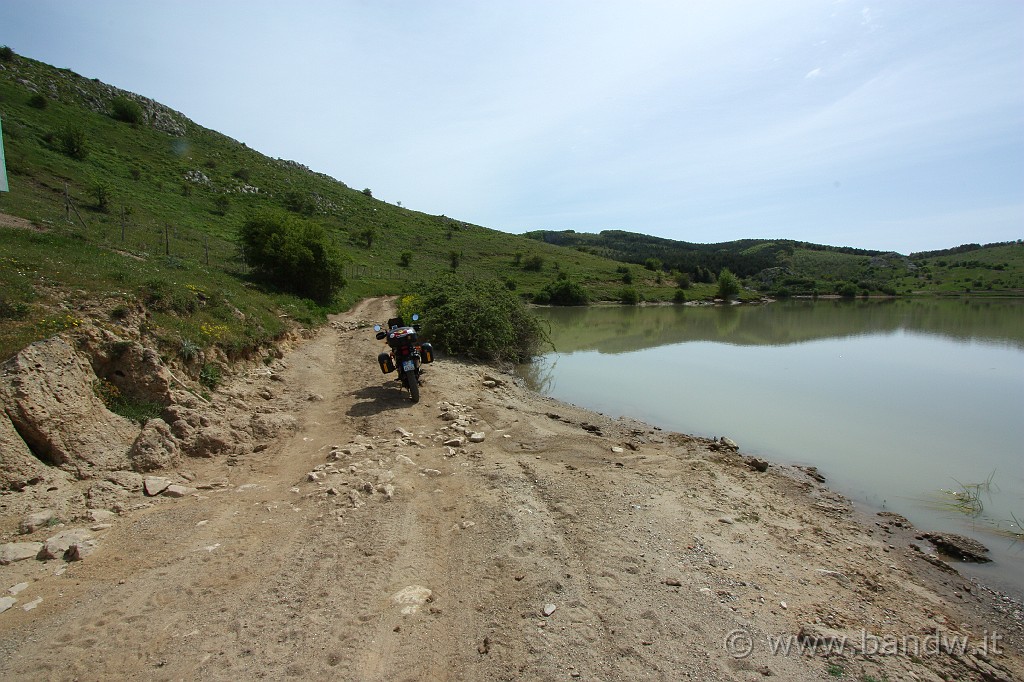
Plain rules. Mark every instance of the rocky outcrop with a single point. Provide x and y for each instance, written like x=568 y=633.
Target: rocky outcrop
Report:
x=155 y=448
x=959 y=547
x=47 y=393
x=19 y=468
x=135 y=370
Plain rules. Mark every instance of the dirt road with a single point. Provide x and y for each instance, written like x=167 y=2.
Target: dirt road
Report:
x=564 y=545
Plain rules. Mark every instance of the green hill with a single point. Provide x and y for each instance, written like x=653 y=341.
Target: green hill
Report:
x=121 y=206
x=786 y=267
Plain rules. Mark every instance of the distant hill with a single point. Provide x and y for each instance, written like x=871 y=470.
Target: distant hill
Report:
x=118 y=202
x=787 y=267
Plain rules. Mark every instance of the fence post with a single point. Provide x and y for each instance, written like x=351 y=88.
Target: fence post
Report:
x=167 y=239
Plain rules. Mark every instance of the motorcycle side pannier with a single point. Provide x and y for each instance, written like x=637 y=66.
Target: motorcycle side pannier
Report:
x=426 y=352
x=387 y=365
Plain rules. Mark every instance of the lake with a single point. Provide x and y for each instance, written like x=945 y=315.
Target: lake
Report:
x=904 y=405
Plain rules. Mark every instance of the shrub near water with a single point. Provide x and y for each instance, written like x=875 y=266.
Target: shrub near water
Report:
x=479 y=319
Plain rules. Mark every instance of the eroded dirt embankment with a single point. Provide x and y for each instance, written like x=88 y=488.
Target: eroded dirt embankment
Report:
x=321 y=524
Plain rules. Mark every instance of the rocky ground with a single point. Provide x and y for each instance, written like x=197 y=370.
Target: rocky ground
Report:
x=307 y=520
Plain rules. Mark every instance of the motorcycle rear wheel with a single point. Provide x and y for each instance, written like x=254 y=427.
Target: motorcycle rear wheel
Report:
x=414 y=385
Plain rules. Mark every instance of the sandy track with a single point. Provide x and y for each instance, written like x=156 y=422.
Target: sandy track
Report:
x=652 y=556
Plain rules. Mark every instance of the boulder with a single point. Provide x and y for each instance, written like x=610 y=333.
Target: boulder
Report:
x=154 y=485
x=47 y=392
x=959 y=547
x=155 y=448
x=210 y=441
x=18 y=551
x=56 y=546
x=175 y=490
x=34 y=522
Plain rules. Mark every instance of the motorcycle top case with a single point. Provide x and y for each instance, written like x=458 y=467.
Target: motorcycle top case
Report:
x=401 y=335
x=387 y=364
x=426 y=353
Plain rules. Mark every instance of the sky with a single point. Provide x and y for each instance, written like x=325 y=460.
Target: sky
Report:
x=891 y=125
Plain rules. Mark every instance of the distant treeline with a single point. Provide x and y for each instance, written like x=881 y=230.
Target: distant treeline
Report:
x=963 y=248
x=744 y=257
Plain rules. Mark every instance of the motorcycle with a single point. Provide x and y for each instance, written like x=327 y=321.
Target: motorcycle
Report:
x=406 y=355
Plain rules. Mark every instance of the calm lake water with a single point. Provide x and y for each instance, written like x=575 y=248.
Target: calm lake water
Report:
x=899 y=403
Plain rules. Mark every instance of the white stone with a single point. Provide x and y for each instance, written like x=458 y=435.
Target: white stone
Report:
x=18 y=551
x=477 y=437
x=20 y=587
x=175 y=490
x=402 y=459
x=412 y=598
x=6 y=603
x=454 y=442
x=154 y=485
x=549 y=609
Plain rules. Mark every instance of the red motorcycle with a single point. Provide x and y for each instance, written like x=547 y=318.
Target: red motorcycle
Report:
x=406 y=354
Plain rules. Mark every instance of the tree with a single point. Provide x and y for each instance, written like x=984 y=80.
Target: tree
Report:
x=454 y=258
x=293 y=255
x=653 y=264
x=728 y=285
x=479 y=319
x=405 y=259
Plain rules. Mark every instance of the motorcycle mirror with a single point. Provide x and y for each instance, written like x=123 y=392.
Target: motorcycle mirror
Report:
x=381 y=335
x=376 y=327
x=415 y=316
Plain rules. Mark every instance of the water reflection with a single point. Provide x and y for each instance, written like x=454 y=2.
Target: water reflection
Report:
x=621 y=329
x=894 y=400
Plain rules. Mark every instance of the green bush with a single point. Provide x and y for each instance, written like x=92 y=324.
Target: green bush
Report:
x=405 y=259
x=629 y=296
x=293 y=255
x=71 y=141
x=563 y=292
x=533 y=263
x=6 y=54
x=479 y=319
x=728 y=285
x=38 y=101
x=679 y=296
x=848 y=290
x=127 y=110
